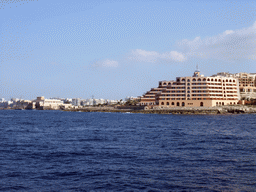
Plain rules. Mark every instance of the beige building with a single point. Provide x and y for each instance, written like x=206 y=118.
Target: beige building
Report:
x=247 y=83
x=194 y=91
x=43 y=103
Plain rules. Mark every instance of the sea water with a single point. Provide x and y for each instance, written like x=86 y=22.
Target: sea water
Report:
x=70 y=151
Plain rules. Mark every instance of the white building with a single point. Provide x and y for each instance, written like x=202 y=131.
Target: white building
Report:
x=111 y=102
x=43 y=103
x=76 y=102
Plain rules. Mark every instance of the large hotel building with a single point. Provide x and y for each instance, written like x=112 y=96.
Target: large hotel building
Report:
x=247 y=84
x=194 y=91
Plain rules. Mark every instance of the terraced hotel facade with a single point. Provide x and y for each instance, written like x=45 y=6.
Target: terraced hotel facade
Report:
x=193 y=91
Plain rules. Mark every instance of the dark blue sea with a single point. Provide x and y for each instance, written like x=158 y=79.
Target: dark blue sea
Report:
x=72 y=151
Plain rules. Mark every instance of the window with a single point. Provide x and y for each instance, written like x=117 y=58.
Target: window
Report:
x=172 y=103
x=183 y=104
x=162 y=103
x=167 y=103
x=178 y=103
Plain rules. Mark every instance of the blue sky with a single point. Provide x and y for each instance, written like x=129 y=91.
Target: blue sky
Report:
x=113 y=49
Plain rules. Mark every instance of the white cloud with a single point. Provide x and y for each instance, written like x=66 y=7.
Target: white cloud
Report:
x=174 y=56
x=153 y=56
x=227 y=32
x=229 y=45
x=106 y=63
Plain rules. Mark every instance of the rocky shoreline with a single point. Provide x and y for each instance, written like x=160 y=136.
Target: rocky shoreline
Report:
x=180 y=110
x=242 y=109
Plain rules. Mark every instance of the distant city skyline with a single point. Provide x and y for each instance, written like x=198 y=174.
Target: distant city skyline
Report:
x=112 y=49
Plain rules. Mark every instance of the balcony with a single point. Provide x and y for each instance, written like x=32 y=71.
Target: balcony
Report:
x=214 y=85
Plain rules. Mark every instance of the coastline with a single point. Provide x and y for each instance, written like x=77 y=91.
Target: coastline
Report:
x=182 y=111
x=175 y=110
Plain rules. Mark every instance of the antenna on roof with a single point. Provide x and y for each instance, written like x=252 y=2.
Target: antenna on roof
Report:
x=197 y=72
